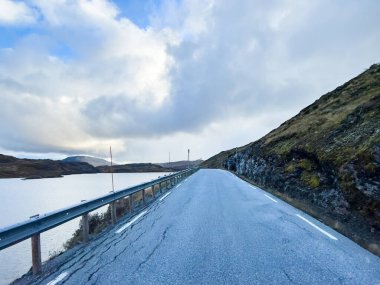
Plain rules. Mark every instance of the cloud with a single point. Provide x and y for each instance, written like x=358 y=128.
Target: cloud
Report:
x=269 y=57
x=44 y=91
x=198 y=74
x=15 y=13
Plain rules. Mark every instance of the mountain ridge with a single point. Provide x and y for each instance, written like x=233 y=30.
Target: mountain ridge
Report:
x=13 y=167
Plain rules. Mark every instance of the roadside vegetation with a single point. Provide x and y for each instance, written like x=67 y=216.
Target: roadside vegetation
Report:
x=98 y=222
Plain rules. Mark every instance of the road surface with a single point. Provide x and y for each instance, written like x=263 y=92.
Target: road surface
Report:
x=215 y=228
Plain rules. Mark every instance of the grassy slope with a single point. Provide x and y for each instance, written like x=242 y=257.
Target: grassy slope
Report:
x=319 y=127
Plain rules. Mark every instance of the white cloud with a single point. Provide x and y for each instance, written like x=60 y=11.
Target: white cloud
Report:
x=208 y=75
x=44 y=93
x=15 y=12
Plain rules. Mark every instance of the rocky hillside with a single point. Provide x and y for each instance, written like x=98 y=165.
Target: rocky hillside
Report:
x=12 y=167
x=325 y=160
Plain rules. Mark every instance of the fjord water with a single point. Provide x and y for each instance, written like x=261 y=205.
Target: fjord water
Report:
x=21 y=199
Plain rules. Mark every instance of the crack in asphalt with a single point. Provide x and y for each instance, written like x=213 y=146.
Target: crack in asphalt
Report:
x=307 y=231
x=154 y=207
x=163 y=237
x=113 y=258
x=288 y=276
x=109 y=246
x=81 y=253
x=121 y=252
x=79 y=268
x=102 y=241
x=124 y=248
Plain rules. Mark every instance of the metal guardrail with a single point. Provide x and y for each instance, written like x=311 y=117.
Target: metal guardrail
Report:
x=40 y=223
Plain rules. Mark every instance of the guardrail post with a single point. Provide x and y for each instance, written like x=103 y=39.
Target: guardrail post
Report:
x=113 y=212
x=36 y=254
x=130 y=203
x=143 y=197
x=154 y=195
x=85 y=227
x=159 y=188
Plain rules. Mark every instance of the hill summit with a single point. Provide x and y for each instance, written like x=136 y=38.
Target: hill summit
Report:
x=94 y=161
x=325 y=160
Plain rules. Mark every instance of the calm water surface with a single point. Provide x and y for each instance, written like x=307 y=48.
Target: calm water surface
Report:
x=20 y=199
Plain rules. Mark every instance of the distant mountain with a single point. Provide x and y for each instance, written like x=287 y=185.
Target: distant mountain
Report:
x=325 y=160
x=94 y=161
x=181 y=165
x=134 y=167
x=12 y=167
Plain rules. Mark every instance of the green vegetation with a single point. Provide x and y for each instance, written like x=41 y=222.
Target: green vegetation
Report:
x=290 y=168
x=310 y=179
x=305 y=164
x=97 y=223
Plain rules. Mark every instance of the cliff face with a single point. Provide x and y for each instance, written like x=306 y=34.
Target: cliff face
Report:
x=327 y=158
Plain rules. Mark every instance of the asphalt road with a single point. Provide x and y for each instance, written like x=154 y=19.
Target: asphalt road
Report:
x=217 y=229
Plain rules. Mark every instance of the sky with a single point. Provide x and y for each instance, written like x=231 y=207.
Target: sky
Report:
x=153 y=77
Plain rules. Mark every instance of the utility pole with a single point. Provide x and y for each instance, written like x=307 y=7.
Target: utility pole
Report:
x=236 y=159
x=113 y=204
x=113 y=187
x=188 y=158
